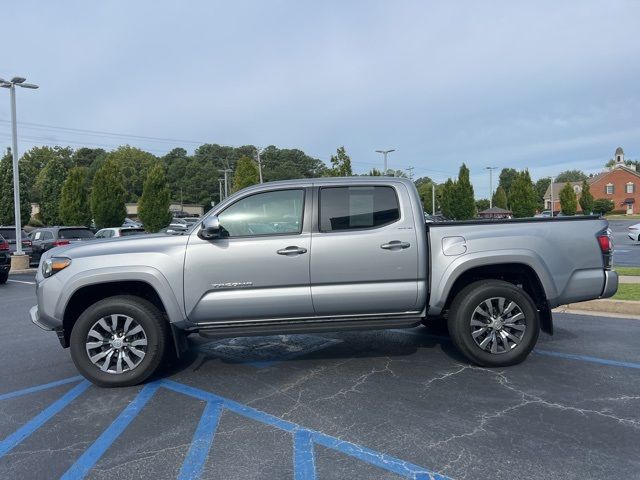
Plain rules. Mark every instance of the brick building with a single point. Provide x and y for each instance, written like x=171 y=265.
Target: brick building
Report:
x=620 y=183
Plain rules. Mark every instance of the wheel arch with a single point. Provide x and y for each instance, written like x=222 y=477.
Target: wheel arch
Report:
x=519 y=274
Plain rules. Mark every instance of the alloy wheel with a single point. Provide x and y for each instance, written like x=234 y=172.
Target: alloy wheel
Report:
x=498 y=325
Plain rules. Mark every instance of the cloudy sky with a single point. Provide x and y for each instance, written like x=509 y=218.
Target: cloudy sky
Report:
x=542 y=85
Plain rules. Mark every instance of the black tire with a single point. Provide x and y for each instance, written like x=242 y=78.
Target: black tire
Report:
x=462 y=310
x=4 y=276
x=155 y=328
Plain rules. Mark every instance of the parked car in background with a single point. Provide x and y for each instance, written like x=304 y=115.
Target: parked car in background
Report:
x=131 y=223
x=544 y=213
x=191 y=220
x=634 y=232
x=5 y=260
x=44 y=239
x=119 y=232
x=9 y=234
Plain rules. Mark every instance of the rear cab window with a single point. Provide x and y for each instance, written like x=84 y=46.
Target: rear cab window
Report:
x=357 y=207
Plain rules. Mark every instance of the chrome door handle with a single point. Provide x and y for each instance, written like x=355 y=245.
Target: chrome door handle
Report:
x=291 y=251
x=395 y=245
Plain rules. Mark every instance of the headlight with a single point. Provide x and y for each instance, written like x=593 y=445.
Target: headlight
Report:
x=54 y=265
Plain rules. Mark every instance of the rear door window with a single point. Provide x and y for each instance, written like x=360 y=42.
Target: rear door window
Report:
x=354 y=208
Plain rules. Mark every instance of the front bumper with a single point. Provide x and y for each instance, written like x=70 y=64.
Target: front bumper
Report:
x=610 y=284
x=35 y=318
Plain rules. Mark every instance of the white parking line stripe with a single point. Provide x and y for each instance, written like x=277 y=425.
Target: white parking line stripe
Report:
x=22 y=281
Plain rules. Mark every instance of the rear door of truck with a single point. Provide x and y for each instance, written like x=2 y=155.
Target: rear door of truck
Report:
x=364 y=256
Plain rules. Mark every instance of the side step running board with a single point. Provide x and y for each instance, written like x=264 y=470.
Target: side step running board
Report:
x=305 y=326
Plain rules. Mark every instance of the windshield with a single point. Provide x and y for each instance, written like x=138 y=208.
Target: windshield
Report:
x=72 y=233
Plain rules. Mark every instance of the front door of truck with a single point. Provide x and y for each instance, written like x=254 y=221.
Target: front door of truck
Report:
x=259 y=269
x=365 y=252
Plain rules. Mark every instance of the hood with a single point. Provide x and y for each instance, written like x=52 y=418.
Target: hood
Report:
x=119 y=245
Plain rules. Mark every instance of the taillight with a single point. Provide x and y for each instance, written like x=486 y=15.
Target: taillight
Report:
x=26 y=243
x=59 y=243
x=606 y=247
x=4 y=246
x=605 y=243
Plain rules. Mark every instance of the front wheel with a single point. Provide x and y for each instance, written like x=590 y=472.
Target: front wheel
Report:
x=494 y=323
x=119 y=341
x=4 y=276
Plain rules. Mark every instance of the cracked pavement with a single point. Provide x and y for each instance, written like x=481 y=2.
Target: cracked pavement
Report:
x=407 y=394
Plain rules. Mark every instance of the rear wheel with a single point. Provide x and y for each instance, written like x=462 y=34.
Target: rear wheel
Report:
x=119 y=341
x=4 y=276
x=494 y=323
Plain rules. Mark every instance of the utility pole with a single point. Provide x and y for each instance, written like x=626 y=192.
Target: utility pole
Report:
x=384 y=154
x=551 y=189
x=433 y=198
x=410 y=173
x=220 y=194
x=491 y=169
x=11 y=85
x=181 y=202
x=226 y=187
x=259 y=163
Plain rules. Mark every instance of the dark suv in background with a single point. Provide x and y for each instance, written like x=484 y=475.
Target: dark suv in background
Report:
x=5 y=260
x=9 y=234
x=44 y=239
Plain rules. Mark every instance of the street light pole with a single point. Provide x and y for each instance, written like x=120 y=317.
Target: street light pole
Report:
x=226 y=189
x=384 y=154
x=551 y=189
x=220 y=186
x=491 y=169
x=11 y=85
x=259 y=163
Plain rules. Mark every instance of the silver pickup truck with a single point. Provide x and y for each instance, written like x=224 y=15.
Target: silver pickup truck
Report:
x=318 y=255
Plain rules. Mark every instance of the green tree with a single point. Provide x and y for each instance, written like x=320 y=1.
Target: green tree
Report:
x=421 y=180
x=464 y=206
x=568 y=201
x=507 y=176
x=34 y=160
x=570 y=176
x=603 y=206
x=7 y=213
x=108 y=196
x=541 y=188
x=49 y=184
x=426 y=195
x=75 y=208
x=586 y=199
x=374 y=172
x=246 y=174
x=84 y=157
x=522 y=197
x=154 y=203
x=500 y=198
x=340 y=164
x=135 y=165
x=287 y=164
x=447 y=200
x=482 y=204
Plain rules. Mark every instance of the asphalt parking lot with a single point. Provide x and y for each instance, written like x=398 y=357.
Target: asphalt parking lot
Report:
x=387 y=404
x=626 y=252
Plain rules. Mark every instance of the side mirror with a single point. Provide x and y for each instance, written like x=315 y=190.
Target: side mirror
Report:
x=210 y=228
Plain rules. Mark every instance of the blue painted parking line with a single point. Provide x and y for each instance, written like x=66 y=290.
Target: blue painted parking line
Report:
x=304 y=463
x=201 y=443
x=36 y=422
x=40 y=388
x=89 y=458
x=587 y=358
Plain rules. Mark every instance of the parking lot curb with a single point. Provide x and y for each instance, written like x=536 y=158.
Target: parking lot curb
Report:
x=25 y=270
x=623 y=307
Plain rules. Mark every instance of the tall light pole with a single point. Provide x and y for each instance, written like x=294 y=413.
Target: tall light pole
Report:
x=491 y=169
x=226 y=188
x=551 y=190
x=259 y=163
x=385 y=153
x=220 y=186
x=11 y=85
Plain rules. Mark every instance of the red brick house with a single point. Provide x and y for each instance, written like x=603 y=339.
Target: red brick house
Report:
x=620 y=183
